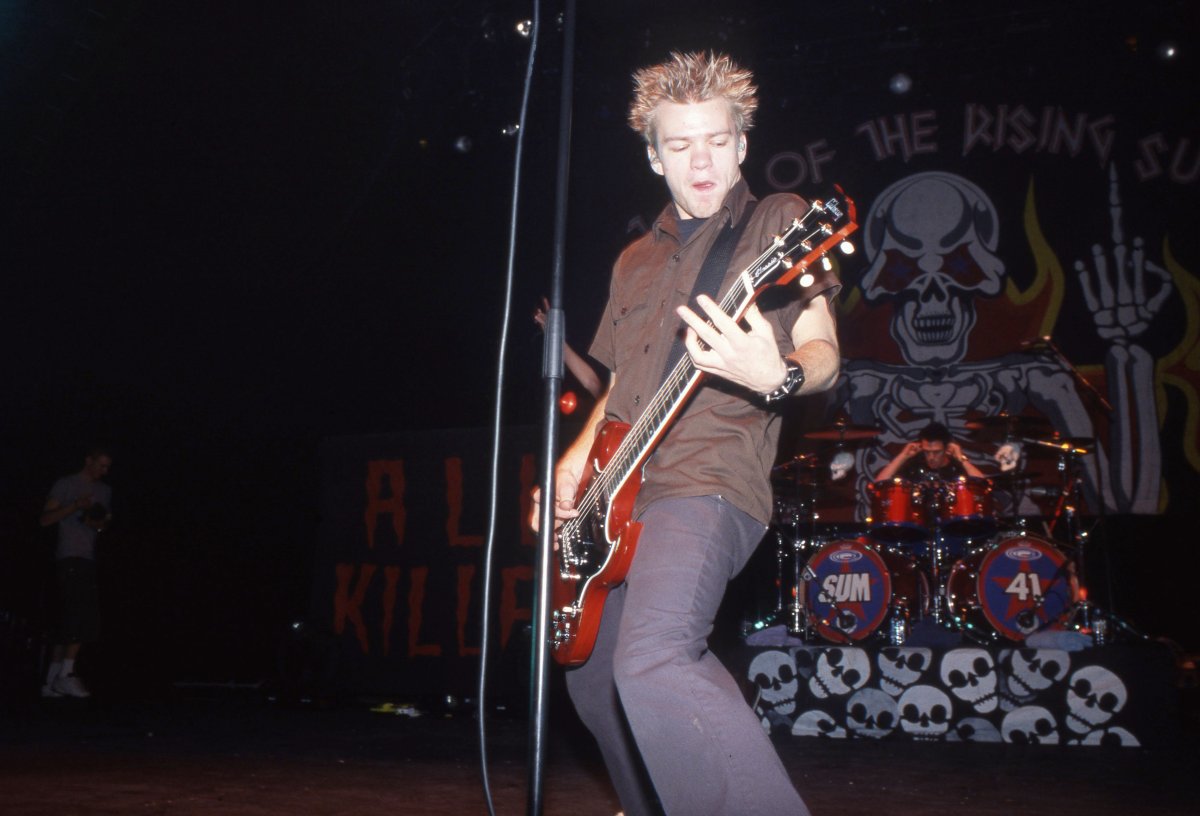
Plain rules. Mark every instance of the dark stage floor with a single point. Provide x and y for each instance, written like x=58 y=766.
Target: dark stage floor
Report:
x=235 y=754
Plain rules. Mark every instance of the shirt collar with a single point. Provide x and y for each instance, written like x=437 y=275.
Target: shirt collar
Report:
x=731 y=211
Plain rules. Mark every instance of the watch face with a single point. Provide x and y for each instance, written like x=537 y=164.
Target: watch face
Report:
x=793 y=380
x=795 y=377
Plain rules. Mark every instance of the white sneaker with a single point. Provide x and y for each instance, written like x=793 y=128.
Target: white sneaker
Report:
x=69 y=685
x=48 y=691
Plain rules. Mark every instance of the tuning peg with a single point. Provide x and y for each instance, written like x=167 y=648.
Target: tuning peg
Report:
x=826 y=264
x=846 y=247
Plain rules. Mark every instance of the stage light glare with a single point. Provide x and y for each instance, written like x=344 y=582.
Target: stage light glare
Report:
x=1168 y=51
x=510 y=130
x=525 y=28
x=463 y=144
x=900 y=83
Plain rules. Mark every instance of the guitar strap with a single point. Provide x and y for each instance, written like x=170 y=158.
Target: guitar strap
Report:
x=712 y=272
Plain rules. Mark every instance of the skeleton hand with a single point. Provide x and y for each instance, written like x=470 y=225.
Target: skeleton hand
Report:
x=1123 y=313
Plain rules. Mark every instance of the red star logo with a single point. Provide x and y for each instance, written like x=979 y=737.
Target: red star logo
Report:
x=1015 y=604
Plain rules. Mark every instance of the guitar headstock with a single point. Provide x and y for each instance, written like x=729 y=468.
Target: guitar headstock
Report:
x=808 y=240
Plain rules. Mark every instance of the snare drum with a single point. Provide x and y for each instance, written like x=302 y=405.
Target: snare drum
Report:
x=964 y=508
x=898 y=511
x=1022 y=585
x=850 y=588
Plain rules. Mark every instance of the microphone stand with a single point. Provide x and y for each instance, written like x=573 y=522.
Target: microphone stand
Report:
x=552 y=373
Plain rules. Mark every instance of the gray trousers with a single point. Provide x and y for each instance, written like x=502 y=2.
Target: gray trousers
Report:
x=651 y=677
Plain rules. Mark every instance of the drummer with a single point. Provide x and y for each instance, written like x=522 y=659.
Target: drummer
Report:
x=935 y=455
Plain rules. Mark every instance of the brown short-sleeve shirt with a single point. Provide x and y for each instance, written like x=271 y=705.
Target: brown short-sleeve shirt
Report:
x=724 y=442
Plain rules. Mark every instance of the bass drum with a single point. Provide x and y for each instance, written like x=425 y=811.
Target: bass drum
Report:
x=1022 y=585
x=850 y=587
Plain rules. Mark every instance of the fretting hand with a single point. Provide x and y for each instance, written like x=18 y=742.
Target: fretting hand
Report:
x=749 y=358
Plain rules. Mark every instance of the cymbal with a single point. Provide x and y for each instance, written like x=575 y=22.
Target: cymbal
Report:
x=1078 y=445
x=803 y=462
x=1009 y=422
x=844 y=433
x=803 y=472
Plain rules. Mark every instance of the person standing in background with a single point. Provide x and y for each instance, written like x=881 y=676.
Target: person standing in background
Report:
x=80 y=504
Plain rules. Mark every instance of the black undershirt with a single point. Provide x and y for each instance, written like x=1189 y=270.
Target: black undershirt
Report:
x=688 y=228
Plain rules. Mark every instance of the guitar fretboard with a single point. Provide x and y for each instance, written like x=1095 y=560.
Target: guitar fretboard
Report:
x=639 y=442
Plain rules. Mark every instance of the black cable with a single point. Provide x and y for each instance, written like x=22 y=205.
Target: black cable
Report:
x=489 y=549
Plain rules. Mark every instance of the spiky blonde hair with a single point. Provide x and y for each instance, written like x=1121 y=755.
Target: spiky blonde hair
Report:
x=695 y=77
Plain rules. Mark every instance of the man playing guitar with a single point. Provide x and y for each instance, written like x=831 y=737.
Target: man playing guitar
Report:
x=650 y=687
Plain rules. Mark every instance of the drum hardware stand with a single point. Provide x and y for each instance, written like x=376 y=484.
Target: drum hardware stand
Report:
x=937 y=550
x=770 y=619
x=798 y=624
x=1082 y=615
x=936 y=611
x=976 y=634
x=1026 y=618
x=779 y=546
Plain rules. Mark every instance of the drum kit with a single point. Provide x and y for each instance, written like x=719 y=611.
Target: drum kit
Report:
x=952 y=553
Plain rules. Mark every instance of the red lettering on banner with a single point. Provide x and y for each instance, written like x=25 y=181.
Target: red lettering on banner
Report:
x=416 y=600
x=466 y=572
x=528 y=474
x=391 y=577
x=348 y=605
x=454 y=501
x=393 y=470
x=509 y=611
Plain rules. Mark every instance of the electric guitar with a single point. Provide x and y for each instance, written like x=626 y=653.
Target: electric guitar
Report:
x=596 y=547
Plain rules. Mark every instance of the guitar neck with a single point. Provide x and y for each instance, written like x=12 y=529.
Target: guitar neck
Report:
x=773 y=267
x=679 y=384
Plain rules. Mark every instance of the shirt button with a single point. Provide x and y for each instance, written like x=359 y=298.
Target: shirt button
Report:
x=646 y=350
x=676 y=257
x=624 y=310
x=637 y=399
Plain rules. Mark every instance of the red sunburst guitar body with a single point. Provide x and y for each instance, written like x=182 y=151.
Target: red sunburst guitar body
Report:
x=612 y=524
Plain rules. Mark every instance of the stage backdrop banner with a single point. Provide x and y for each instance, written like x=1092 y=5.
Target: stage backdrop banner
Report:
x=398 y=569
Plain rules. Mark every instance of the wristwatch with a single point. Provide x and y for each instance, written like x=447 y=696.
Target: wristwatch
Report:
x=791 y=382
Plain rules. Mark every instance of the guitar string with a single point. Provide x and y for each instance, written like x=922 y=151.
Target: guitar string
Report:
x=667 y=398
x=678 y=382
x=632 y=446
